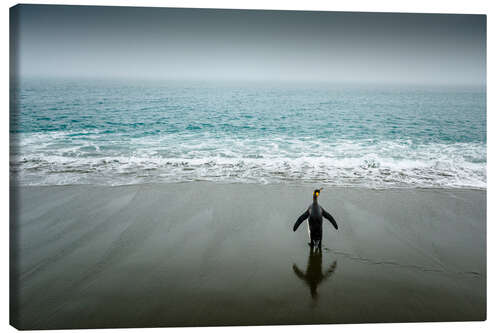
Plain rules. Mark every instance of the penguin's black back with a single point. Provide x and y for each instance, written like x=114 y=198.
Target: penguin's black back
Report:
x=315 y=221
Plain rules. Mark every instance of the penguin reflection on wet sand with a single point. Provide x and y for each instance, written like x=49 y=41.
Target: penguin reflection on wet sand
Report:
x=314 y=273
x=315 y=214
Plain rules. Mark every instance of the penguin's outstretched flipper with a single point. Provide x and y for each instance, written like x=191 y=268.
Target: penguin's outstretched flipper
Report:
x=301 y=219
x=330 y=218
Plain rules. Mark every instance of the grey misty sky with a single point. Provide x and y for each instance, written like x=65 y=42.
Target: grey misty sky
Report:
x=211 y=44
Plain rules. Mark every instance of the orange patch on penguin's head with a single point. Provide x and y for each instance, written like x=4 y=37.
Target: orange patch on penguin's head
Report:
x=316 y=193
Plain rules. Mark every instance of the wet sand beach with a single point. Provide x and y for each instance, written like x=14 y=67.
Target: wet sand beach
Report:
x=197 y=254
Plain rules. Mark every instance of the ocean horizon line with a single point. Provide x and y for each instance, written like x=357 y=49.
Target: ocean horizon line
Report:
x=271 y=81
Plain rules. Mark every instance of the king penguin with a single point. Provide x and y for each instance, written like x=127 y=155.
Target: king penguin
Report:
x=315 y=213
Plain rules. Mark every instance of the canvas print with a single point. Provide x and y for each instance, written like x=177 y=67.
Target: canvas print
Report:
x=210 y=167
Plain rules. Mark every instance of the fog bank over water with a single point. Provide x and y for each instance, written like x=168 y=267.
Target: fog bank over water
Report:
x=209 y=44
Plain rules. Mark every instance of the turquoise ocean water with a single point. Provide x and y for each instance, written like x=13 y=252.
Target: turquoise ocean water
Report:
x=127 y=132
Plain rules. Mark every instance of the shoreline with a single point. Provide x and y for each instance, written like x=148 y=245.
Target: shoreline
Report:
x=302 y=185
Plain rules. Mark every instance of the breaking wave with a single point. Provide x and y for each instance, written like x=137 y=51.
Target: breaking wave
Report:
x=63 y=158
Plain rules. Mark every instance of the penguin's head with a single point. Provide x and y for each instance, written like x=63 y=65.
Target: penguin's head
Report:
x=316 y=193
